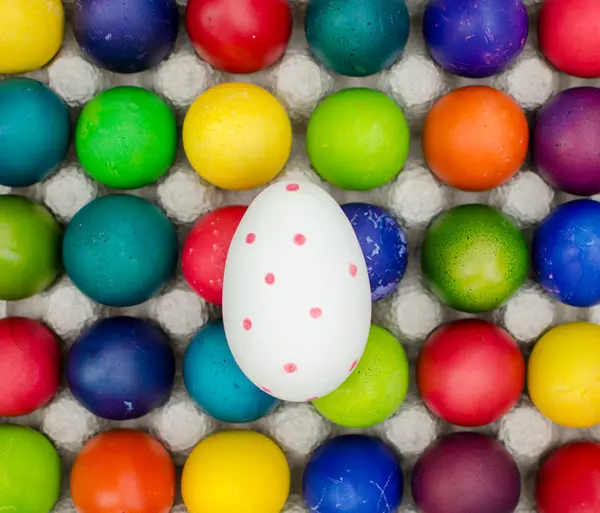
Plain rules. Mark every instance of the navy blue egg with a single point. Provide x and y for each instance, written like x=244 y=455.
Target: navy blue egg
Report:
x=566 y=253
x=34 y=132
x=217 y=384
x=121 y=368
x=475 y=38
x=383 y=244
x=357 y=37
x=126 y=36
x=353 y=473
x=120 y=250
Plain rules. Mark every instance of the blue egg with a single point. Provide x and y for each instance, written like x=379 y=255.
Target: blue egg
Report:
x=566 y=253
x=353 y=473
x=475 y=38
x=121 y=368
x=216 y=383
x=383 y=243
x=34 y=132
x=357 y=37
x=126 y=36
x=120 y=250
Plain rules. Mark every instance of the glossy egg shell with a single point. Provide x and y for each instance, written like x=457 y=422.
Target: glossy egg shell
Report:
x=215 y=382
x=383 y=243
x=353 y=473
x=205 y=251
x=475 y=39
x=568 y=479
x=566 y=253
x=296 y=293
x=30 y=366
x=239 y=36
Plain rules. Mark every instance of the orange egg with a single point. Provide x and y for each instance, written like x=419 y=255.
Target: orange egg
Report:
x=475 y=138
x=123 y=471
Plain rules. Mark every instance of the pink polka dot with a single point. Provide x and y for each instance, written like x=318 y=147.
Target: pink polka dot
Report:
x=290 y=368
x=315 y=313
x=269 y=278
x=247 y=324
x=311 y=399
x=299 y=239
x=250 y=238
x=353 y=366
x=265 y=389
x=292 y=187
x=353 y=270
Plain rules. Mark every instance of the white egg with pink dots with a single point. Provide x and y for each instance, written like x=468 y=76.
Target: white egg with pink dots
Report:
x=296 y=293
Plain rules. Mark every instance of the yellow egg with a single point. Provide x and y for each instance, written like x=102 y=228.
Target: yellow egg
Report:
x=237 y=136
x=31 y=32
x=564 y=374
x=235 y=472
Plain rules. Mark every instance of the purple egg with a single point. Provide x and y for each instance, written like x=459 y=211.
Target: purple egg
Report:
x=566 y=141
x=466 y=473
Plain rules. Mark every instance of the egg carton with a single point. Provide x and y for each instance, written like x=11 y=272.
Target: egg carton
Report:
x=414 y=197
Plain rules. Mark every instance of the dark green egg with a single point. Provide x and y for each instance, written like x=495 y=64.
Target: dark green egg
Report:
x=474 y=258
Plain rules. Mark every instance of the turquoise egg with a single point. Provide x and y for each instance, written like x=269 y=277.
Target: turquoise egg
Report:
x=34 y=132
x=120 y=250
x=217 y=384
x=357 y=37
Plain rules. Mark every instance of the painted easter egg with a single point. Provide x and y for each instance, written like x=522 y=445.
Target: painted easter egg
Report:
x=353 y=473
x=383 y=243
x=564 y=251
x=569 y=38
x=235 y=42
x=565 y=138
x=475 y=39
x=128 y=36
x=466 y=472
x=568 y=478
x=31 y=34
x=34 y=131
x=296 y=293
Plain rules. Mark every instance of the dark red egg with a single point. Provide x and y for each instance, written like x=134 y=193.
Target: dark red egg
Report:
x=470 y=372
x=239 y=36
x=569 y=480
x=205 y=251
x=30 y=366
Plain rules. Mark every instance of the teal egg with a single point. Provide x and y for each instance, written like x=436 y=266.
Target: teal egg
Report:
x=120 y=250
x=217 y=384
x=357 y=37
x=474 y=258
x=34 y=132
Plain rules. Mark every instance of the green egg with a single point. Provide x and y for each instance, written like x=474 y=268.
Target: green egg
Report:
x=474 y=258
x=376 y=388
x=357 y=139
x=126 y=137
x=30 y=242
x=30 y=471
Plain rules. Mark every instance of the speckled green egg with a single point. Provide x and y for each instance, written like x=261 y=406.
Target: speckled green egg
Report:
x=120 y=250
x=474 y=258
x=376 y=388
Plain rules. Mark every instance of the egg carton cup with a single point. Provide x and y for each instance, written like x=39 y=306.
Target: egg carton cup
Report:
x=414 y=197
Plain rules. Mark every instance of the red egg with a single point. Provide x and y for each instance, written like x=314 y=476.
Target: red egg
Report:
x=239 y=36
x=205 y=251
x=30 y=366
x=569 y=37
x=569 y=480
x=470 y=372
